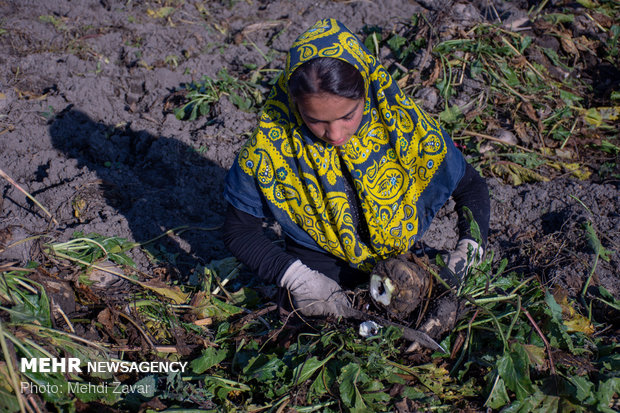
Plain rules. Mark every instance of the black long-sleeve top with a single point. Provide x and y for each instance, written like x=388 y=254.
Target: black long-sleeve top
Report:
x=245 y=238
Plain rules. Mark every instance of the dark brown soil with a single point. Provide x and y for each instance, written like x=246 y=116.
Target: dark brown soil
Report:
x=86 y=126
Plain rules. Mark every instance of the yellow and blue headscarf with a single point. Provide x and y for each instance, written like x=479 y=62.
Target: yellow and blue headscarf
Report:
x=404 y=166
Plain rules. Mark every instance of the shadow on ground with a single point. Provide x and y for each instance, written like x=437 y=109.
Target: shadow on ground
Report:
x=157 y=183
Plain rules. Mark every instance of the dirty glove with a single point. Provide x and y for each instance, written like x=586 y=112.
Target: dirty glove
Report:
x=457 y=262
x=314 y=294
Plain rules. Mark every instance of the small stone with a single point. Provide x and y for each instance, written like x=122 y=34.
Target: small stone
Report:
x=427 y=97
x=104 y=279
x=506 y=136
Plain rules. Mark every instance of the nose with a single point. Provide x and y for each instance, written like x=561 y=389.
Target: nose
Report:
x=334 y=133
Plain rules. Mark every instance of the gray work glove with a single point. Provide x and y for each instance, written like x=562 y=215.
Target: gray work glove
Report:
x=466 y=254
x=314 y=294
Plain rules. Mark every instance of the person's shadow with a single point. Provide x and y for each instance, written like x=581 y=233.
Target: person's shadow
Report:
x=157 y=183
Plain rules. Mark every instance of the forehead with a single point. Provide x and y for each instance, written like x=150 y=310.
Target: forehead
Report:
x=327 y=107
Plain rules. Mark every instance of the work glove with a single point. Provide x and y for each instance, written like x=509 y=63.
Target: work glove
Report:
x=460 y=259
x=314 y=294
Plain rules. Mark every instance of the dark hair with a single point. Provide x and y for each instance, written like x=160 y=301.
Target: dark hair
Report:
x=326 y=75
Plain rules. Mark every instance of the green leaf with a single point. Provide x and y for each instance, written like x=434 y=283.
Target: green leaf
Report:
x=50 y=381
x=304 y=371
x=209 y=358
x=476 y=68
x=396 y=42
x=525 y=43
x=553 y=56
x=451 y=114
x=556 y=18
x=473 y=225
x=204 y=109
x=556 y=309
x=605 y=393
x=219 y=309
x=32 y=309
x=558 y=331
x=608 y=299
x=246 y=297
x=104 y=393
x=220 y=387
x=568 y=97
x=498 y=396
x=8 y=401
x=179 y=113
x=351 y=377
x=588 y=4
x=583 y=387
x=265 y=368
x=595 y=242
x=528 y=160
x=535 y=354
x=609 y=147
x=122 y=259
x=374 y=392
x=412 y=393
x=510 y=75
x=537 y=402
x=321 y=385
x=370 y=42
x=514 y=368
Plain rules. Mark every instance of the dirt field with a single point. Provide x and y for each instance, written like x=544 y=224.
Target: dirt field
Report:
x=88 y=91
x=88 y=129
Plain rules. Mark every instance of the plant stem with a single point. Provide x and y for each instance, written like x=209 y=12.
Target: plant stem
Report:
x=494 y=299
x=173 y=231
x=589 y=279
x=467 y=341
x=99 y=267
x=15 y=184
x=494 y=139
x=514 y=320
x=544 y=339
x=569 y=133
x=9 y=363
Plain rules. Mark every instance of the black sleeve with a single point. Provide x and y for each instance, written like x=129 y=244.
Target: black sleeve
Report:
x=472 y=192
x=244 y=237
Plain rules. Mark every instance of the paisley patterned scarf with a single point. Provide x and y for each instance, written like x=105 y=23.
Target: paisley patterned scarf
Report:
x=404 y=166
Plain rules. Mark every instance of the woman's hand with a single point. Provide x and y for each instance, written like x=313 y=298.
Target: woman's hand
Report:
x=466 y=253
x=314 y=294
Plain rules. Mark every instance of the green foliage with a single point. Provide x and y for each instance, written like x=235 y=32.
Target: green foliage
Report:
x=57 y=22
x=94 y=247
x=333 y=366
x=30 y=334
x=513 y=330
x=527 y=91
x=503 y=363
x=245 y=95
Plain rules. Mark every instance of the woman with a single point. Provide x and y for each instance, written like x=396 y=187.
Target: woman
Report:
x=350 y=167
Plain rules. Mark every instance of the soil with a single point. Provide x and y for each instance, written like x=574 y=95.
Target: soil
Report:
x=87 y=93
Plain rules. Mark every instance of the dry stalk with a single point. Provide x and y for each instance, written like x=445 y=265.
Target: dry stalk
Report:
x=146 y=337
x=494 y=139
x=64 y=316
x=526 y=61
x=16 y=185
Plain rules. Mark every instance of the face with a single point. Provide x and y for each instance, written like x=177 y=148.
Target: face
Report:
x=331 y=118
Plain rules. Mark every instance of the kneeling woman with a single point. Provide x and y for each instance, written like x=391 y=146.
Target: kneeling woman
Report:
x=351 y=169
